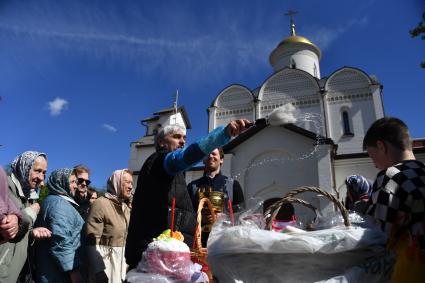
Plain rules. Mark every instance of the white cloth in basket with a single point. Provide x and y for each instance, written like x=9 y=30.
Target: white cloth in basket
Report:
x=249 y=254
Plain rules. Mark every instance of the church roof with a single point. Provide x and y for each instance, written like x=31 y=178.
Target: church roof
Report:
x=180 y=109
x=260 y=124
x=296 y=39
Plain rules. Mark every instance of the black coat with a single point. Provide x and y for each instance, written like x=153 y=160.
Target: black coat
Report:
x=151 y=208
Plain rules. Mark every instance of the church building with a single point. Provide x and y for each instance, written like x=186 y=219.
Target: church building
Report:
x=321 y=149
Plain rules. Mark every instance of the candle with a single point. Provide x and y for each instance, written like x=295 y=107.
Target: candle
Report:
x=232 y=217
x=173 y=208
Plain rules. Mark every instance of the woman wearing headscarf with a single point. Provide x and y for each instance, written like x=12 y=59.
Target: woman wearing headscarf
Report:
x=358 y=193
x=27 y=173
x=107 y=225
x=58 y=258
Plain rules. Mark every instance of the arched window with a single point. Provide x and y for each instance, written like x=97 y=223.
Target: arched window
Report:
x=315 y=70
x=293 y=64
x=346 y=124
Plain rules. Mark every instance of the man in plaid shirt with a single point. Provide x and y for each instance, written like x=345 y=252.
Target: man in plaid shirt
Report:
x=398 y=196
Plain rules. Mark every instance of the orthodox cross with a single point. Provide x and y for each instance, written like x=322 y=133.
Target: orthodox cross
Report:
x=290 y=14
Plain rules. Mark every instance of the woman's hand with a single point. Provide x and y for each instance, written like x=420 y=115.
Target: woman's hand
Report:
x=41 y=233
x=9 y=226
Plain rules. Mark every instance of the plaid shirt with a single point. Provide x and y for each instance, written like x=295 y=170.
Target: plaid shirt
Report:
x=398 y=201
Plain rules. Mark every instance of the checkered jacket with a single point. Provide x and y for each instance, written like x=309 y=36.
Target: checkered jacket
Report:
x=398 y=200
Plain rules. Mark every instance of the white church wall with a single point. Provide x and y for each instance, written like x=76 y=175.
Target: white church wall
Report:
x=361 y=113
x=292 y=86
x=172 y=119
x=296 y=57
x=310 y=107
x=212 y=122
x=286 y=85
x=325 y=181
x=308 y=61
x=139 y=154
x=225 y=115
x=135 y=158
x=272 y=179
x=377 y=100
x=234 y=102
x=348 y=90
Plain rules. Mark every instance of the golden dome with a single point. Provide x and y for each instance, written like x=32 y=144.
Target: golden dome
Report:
x=296 y=39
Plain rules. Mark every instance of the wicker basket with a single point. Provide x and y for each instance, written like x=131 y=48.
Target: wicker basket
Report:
x=272 y=211
x=199 y=253
x=253 y=255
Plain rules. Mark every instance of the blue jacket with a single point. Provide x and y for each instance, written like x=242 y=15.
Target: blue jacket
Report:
x=59 y=254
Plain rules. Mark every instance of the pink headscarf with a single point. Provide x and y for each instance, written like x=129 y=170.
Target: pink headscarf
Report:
x=6 y=204
x=114 y=185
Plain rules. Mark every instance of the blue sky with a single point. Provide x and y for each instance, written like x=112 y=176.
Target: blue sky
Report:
x=78 y=76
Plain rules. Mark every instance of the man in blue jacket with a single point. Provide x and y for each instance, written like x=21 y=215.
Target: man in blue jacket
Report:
x=161 y=179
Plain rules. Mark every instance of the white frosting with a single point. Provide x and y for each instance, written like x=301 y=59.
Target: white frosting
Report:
x=170 y=245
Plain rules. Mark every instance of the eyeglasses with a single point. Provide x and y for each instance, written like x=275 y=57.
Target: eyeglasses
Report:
x=82 y=180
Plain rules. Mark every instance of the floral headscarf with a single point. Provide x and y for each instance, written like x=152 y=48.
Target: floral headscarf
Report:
x=114 y=185
x=58 y=183
x=22 y=165
x=358 y=186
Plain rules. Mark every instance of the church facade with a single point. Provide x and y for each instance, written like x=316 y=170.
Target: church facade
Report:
x=321 y=148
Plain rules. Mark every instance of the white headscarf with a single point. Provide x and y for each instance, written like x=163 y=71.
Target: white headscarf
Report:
x=114 y=185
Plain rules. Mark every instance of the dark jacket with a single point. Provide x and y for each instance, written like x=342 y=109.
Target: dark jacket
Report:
x=151 y=210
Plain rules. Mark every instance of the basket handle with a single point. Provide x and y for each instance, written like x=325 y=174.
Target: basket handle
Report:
x=332 y=198
x=272 y=211
x=202 y=202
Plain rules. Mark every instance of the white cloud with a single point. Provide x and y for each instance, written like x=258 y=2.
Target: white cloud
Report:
x=57 y=105
x=202 y=56
x=109 y=128
x=324 y=36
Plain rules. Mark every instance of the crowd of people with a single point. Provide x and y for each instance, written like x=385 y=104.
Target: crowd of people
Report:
x=73 y=236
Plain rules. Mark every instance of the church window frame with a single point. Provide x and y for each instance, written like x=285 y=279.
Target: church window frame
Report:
x=347 y=129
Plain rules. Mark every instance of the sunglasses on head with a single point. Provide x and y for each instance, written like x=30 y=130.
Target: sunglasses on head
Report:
x=82 y=180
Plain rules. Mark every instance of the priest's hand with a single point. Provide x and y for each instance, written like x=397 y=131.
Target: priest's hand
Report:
x=236 y=127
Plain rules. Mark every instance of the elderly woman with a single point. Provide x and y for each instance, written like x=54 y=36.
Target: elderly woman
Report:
x=358 y=193
x=26 y=175
x=58 y=257
x=107 y=225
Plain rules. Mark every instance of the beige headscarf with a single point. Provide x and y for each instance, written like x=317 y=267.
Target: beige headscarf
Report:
x=114 y=185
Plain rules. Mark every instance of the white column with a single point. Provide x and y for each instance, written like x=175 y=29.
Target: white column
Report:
x=325 y=175
x=375 y=89
x=212 y=121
